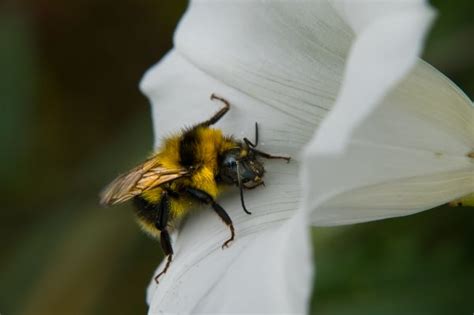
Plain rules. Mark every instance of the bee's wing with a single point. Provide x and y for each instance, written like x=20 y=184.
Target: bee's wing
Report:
x=145 y=176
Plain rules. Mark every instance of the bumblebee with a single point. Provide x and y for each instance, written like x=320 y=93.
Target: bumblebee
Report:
x=190 y=168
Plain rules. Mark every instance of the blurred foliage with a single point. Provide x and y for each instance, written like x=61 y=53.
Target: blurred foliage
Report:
x=72 y=117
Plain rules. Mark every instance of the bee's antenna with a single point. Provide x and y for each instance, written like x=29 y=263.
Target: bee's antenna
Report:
x=241 y=190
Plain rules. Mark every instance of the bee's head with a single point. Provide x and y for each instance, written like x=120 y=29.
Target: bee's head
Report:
x=239 y=166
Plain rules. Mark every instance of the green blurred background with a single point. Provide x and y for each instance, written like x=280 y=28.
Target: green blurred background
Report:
x=72 y=118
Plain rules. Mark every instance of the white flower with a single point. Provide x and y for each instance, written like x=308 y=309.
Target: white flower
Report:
x=396 y=141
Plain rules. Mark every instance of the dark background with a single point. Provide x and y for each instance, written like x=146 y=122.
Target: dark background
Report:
x=72 y=118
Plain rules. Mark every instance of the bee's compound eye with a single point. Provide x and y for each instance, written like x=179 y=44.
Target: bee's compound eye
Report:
x=230 y=161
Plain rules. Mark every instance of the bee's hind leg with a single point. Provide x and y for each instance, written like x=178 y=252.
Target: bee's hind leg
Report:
x=215 y=118
x=204 y=197
x=165 y=239
x=167 y=249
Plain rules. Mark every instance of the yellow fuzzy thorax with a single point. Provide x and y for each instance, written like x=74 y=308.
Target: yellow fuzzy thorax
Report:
x=212 y=143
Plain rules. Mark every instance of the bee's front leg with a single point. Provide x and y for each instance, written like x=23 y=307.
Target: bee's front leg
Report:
x=253 y=184
x=270 y=156
x=204 y=197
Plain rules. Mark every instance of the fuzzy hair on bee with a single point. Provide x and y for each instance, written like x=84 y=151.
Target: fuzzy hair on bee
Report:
x=189 y=169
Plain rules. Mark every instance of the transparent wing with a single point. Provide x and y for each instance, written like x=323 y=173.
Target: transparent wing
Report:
x=144 y=177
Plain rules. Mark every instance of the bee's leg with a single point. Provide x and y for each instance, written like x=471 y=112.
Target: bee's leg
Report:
x=219 y=114
x=261 y=153
x=254 y=185
x=161 y=224
x=204 y=197
x=167 y=249
x=227 y=220
x=270 y=156
x=250 y=143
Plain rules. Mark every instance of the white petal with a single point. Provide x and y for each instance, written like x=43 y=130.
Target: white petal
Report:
x=383 y=53
x=288 y=54
x=409 y=155
x=361 y=14
x=258 y=283
x=280 y=63
x=201 y=273
x=290 y=76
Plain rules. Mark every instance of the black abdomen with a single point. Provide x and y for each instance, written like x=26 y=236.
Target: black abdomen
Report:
x=153 y=213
